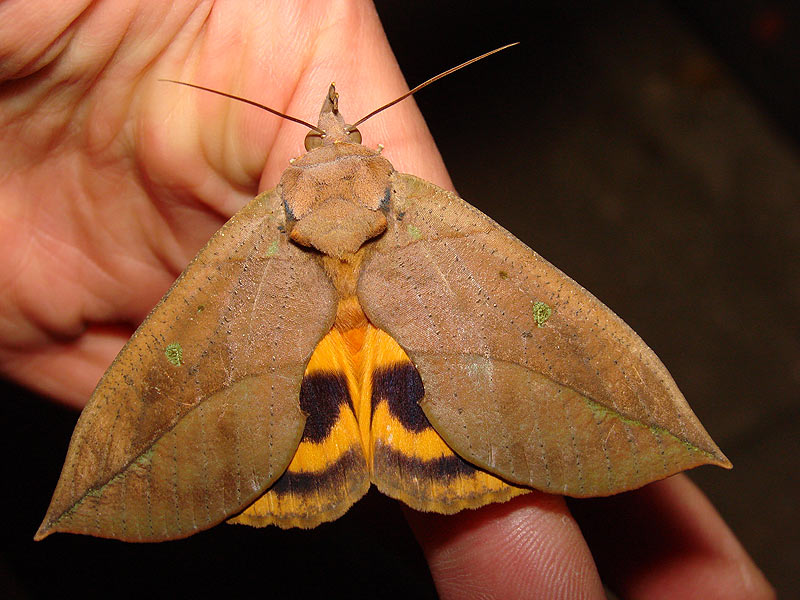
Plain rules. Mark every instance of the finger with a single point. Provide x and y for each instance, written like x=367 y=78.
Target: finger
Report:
x=529 y=547
x=67 y=370
x=666 y=540
x=344 y=43
x=357 y=56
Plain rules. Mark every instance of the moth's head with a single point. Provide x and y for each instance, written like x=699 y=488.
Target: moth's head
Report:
x=332 y=123
x=337 y=197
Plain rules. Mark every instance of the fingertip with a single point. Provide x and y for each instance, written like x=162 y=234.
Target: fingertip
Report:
x=666 y=540
x=529 y=547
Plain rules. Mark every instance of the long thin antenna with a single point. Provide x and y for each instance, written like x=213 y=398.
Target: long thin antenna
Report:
x=357 y=123
x=246 y=101
x=430 y=81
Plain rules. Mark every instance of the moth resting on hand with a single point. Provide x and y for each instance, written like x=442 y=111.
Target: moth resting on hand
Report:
x=356 y=325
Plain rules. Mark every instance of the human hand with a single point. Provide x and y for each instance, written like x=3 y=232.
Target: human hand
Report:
x=113 y=180
x=665 y=540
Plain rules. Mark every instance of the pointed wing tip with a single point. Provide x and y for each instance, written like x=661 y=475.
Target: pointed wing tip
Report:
x=722 y=461
x=49 y=524
x=715 y=456
x=711 y=456
x=43 y=531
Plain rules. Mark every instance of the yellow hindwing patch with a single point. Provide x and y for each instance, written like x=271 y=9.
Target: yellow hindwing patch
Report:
x=329 y=471
x=361 y=395
x=408 y=460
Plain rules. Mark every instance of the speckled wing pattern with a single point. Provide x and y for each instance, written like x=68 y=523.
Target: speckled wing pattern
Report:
x=198 y=414
x=526 y=374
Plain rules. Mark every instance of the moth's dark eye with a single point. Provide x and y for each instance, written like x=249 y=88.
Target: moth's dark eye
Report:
x=313 y=140
x=354 y=136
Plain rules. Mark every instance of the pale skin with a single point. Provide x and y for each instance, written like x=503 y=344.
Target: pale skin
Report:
x=111 y=181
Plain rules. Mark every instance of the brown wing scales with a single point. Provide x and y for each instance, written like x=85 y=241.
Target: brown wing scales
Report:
x=526 y=374
x=198 y=413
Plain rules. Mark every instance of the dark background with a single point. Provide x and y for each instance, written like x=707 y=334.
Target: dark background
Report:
x=649 y=150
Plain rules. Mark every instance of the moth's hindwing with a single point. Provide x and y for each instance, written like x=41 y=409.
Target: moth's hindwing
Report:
x=329 y=471
x=364 y=423
x=409 y=460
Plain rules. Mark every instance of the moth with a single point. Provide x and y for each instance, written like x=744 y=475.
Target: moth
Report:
x=358 y=326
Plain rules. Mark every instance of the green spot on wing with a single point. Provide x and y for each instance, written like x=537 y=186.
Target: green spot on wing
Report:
x=273 y=248
x=174 y=353
x=413 y=231
x=541 y=312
